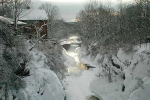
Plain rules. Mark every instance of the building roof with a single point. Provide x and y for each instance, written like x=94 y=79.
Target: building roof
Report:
x=33 y=14
x=9 y=21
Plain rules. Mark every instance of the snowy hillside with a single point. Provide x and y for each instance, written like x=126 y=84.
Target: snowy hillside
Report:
x=42 y=84
x=129 y=74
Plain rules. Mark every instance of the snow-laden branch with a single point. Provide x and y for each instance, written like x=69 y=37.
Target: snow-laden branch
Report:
x=37 y=42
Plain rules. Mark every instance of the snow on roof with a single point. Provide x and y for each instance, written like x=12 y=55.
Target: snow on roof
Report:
x=33 y=14
x=9 y=20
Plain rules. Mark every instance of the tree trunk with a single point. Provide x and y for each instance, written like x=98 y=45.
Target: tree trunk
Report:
x=15 y=19
x=6 y=91
x=109 y=75
x=109 y=69
x=3 y=7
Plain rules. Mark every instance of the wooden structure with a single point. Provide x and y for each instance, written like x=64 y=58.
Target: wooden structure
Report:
x=36 y=20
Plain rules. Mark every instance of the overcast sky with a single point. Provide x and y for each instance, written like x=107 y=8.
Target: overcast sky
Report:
x=69 y=8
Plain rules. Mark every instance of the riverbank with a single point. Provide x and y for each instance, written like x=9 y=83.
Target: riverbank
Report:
x=129 y=74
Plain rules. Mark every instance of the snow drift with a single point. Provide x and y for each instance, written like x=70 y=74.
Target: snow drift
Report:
x=42 y=84
x=130 y=74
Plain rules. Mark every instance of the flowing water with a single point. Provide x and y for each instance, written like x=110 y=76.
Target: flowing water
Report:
x=74 y=80
x=71 y=47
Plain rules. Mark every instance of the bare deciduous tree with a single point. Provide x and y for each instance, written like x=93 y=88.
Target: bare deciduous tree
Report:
x=53 y=15
x=13 y=8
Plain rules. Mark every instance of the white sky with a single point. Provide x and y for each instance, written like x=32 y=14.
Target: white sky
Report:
x=69 y=8
x=65 y=0
x=113 y=1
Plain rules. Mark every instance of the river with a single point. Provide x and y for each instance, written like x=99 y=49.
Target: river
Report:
x=78 y=78
x=71 y=47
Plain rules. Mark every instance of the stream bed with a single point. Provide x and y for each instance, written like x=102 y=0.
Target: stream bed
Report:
x=79 y=77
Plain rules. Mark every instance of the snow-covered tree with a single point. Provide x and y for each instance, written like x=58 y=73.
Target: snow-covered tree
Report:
x=12 y=70
x=13 y=63
x=13 y=8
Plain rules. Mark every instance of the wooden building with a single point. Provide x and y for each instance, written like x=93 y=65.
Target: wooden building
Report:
x=36 y=20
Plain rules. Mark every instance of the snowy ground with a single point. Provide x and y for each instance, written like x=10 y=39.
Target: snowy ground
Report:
x=42 y=84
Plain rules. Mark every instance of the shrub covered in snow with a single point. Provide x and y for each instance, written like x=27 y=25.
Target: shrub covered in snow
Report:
x=53 y=52
x=13 y=65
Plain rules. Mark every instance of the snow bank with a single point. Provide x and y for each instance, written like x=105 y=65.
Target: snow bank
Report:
x=143 y=93
x=130 y=75
x=42 y=84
